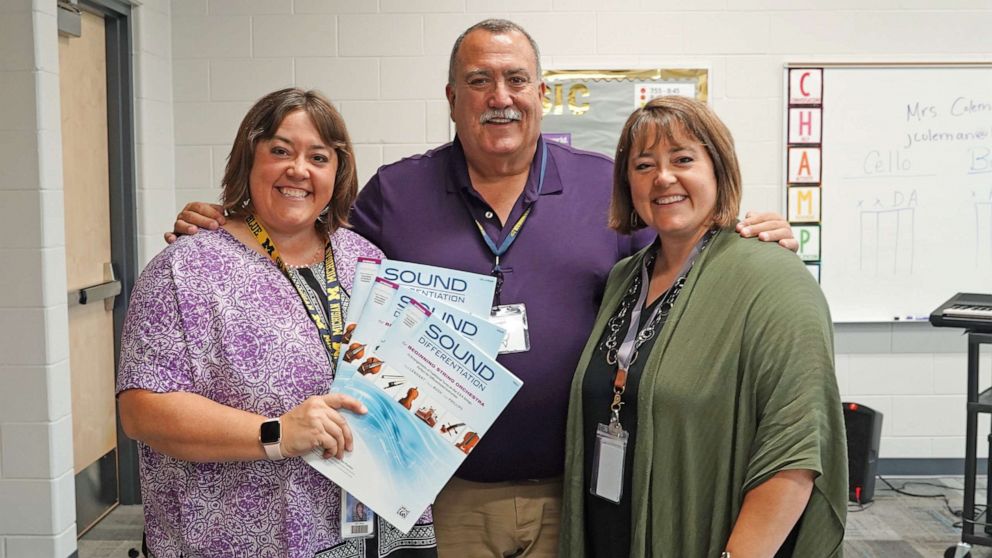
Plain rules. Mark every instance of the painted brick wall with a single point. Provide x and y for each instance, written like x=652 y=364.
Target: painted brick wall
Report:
x=155 y=148
x=384 y=63
x=37 y=500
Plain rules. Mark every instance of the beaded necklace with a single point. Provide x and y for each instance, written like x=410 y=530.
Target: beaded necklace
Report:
x=611 y=344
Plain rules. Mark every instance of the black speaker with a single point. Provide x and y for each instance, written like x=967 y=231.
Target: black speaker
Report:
x=864 y=433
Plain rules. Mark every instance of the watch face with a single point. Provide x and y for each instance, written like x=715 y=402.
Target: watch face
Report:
x=270 y=432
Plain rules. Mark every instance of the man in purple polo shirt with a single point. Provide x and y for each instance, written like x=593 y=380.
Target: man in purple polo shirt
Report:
x=500 y=176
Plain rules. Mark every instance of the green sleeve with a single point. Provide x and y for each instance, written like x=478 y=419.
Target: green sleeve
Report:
x=788 y=349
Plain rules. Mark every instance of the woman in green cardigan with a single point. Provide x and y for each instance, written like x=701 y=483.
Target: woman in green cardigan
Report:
x=712 y=426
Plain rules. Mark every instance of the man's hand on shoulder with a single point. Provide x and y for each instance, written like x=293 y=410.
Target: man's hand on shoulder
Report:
x=196 y=216
x=768 y=227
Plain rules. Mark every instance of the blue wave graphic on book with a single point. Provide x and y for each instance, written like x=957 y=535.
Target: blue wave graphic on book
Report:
x=413 y=453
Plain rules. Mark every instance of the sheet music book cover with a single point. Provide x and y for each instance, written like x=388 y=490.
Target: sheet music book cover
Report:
x=466 y=291
x=431 y=396
x=386 y=303
x=365 y=271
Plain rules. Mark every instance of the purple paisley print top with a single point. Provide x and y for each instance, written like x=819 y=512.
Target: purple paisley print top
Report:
x=213 y=317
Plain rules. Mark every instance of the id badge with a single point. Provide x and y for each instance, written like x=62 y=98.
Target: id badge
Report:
x=512 y=318
x=357 y=521
x=607 y=463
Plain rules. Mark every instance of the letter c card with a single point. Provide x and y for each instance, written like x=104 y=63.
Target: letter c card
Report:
x=805 y=86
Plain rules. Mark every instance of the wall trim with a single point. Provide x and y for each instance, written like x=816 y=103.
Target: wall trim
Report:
x=949 y=466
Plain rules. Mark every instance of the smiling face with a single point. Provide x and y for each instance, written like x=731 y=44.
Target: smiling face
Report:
x=292 y=176
x=495 y=99
x=673 y=186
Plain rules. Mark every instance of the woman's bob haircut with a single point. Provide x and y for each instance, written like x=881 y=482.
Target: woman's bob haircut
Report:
x=675 y=119
x=262 y=122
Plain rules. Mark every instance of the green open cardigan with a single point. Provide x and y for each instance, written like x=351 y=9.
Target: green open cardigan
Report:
x=739 y=385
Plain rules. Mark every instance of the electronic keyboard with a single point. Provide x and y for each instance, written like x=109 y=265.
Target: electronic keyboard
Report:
x=965 y=310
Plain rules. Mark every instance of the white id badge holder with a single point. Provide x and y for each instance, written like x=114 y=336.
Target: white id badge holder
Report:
x=607 y=462
x=512 y=318
x=357 y=520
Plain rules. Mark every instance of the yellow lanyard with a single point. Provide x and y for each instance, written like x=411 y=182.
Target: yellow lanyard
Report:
x=330 y=336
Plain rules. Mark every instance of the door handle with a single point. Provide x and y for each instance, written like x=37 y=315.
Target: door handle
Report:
x=93 y=293
x=106 y=291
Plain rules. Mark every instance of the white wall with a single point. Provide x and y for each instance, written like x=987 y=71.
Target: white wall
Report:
x=37 y=497
x=384 y=63
x=155 y=143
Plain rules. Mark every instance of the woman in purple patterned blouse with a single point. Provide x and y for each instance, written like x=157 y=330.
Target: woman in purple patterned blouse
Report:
x=224 y=374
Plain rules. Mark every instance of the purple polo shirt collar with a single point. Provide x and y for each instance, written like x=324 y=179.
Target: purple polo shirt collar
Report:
x=458 y=180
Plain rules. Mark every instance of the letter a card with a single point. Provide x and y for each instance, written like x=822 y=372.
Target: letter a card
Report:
x=804 y=165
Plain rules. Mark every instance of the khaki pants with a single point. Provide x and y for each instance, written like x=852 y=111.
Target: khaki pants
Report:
x=502 y=519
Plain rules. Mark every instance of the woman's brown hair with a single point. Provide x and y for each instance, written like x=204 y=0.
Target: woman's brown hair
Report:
x=670 y=117
x=262 y=122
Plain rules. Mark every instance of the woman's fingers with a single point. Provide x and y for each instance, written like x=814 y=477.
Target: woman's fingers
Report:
x=341 y=401
x=316 y=422
x=332 y=427
x=346 y=437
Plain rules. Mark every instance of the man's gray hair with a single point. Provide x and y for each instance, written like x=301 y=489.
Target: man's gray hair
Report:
x=496 y=27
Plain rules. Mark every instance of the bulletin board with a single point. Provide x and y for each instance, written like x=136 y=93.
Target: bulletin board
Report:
x=889 y=184
x=587 y=108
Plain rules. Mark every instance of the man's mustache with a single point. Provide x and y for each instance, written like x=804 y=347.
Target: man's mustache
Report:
x=509 y=113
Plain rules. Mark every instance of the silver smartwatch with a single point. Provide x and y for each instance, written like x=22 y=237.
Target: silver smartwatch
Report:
x=270 y=434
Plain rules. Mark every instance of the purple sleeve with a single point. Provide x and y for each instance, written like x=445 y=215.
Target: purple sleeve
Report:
x=153 y=344
x=366 y=214
x=631 y=243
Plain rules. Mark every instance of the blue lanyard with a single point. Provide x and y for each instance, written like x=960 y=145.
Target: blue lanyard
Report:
x=512 y=236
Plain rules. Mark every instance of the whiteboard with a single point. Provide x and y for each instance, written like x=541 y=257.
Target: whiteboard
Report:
x=906 y=191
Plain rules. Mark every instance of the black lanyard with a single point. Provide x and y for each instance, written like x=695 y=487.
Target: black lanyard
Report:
x=331 y=336
x=637 y=334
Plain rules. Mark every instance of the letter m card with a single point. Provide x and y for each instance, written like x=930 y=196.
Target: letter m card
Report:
x=804 y=204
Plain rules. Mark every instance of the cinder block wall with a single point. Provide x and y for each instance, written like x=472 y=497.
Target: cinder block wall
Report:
x=385 y=64
x=155 y=148
x=37 y=499
x=37 y=489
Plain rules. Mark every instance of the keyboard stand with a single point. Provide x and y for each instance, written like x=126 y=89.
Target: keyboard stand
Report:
x=977 y=404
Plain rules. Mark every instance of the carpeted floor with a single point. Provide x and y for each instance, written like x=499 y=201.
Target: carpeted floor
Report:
x=898 y=525
x=894 y=525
